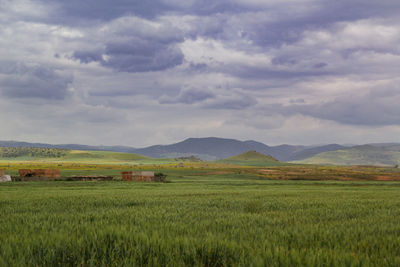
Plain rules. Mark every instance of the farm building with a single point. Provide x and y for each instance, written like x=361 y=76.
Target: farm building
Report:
x=4 y=177
x=127 y=176
x=142 y=176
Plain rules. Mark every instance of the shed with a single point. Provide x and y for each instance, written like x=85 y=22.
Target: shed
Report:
x=5 y=178
x=143 y=176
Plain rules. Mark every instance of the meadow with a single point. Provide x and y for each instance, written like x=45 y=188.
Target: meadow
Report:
x=208 y=215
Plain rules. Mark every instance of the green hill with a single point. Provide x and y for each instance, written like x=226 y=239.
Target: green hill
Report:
x=53 y=155
x=358 y=155
x=252 y=158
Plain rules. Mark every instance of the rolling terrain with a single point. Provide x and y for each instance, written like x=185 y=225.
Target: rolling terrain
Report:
x=210 y=148
x=252 y=158
x=378 y=154
x=65 y=155
x=214 y=149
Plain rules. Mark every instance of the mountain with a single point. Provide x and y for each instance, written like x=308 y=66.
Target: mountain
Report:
x=371 y=154
x=252 y=158
x=213 y=148
x=209 y=148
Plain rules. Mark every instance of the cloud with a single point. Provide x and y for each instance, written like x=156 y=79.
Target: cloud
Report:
x=131 y=44
x=189 y=95
x=74 y=12
x=275 y=71
x=372 y=106
x=18 y=80
x=234 y=101
x=88 y=56
x=365 y=110
x=211 y=98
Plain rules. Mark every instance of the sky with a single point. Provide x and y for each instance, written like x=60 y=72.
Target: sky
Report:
x=138 y=73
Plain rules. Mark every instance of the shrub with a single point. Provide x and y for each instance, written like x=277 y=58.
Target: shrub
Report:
x=160 y=177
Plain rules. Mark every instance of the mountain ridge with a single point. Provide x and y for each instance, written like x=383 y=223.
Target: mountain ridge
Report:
x=208 y=148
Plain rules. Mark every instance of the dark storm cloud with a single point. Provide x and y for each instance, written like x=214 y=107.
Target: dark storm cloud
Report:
x=132 y=45
x=88 y=56
x=134 y=57
x=142 y=57
x=75 y=11
x=106 y=10
x=289 y=27
x=243 y=26
x=265 y=24
x=18 y=80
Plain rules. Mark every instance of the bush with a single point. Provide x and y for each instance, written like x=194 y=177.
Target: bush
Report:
x=160 y=177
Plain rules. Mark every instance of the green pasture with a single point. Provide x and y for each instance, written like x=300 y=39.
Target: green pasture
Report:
x=200 y=219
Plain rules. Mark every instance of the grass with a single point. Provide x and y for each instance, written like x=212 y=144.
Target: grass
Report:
x=253 y=158
x=47 y=155
x=361 y=155
x=205 y=217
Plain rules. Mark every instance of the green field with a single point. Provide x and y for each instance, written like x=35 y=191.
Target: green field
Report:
x=253 y=158
x=359 y=155
x=49 y=155
x=248 y=210
x=200 y=219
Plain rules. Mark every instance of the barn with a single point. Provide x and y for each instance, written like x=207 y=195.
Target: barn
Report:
x=141 y=176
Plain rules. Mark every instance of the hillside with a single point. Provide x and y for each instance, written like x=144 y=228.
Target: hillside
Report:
x=310 y=152
x=53 y=154
x=252 y=158
x=213 y=148
x=209 y=148
x=385 y=155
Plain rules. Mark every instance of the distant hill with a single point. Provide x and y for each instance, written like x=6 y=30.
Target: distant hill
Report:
x=213 y=148
x=252 y=158
x=209 y=148
x=374 y=154
x=309 y=152
x=54 y=154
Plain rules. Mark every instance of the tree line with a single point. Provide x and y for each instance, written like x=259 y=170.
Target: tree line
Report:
x=14 y=152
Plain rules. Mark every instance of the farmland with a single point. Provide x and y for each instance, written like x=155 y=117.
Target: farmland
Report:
x=209 y=214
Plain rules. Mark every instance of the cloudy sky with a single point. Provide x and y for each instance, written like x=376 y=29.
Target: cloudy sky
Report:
x=137 y=73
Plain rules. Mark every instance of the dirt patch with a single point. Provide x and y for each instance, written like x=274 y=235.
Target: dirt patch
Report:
x=385 y=178
x=269 y=171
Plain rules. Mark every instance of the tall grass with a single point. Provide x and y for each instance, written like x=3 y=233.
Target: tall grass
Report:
x=195 y=222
